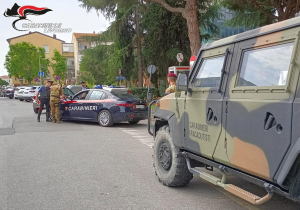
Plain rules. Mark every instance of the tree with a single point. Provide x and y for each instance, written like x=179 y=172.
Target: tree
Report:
x=22 y=61
x=3 y=82
x=59 y=65
x=167 y=34
x=189 y=10
x=110 y=8
x=255 y=13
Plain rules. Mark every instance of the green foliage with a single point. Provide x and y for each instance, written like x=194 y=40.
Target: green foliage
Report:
x=59 y=65
x=103 y=62
x=141 y=92
x=3 y=82
x=22 y=61
x=249 y=14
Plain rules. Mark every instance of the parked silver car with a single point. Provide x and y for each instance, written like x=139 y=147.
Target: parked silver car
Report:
x=29 y=93
x=17 y=94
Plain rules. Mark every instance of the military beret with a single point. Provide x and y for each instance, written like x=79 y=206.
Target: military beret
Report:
x=172 y=75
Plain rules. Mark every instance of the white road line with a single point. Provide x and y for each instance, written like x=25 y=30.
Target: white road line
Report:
x=146 y=140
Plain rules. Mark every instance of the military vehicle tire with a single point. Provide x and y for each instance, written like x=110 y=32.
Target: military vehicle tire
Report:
x=105 y=118
x=133 y=122
x=170 y=165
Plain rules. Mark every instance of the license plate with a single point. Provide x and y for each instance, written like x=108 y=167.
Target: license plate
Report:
x=140 y=106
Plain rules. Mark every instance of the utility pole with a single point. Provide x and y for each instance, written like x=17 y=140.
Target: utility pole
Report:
x=40 y=68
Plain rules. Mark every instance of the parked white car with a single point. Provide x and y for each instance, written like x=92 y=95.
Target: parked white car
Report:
x=29 y=93
x=17 y=94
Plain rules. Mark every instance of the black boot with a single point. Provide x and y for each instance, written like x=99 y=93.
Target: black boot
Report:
x=48 y=119
x=38 y=119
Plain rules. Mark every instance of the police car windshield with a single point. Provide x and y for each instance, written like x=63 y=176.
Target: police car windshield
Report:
x=123 y=94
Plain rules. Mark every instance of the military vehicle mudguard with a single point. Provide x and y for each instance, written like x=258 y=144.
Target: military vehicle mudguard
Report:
x=238 y=111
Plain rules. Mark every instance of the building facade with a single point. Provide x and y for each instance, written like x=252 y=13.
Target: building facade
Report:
x=7 y=79
x=81 y=43
x=49 y=43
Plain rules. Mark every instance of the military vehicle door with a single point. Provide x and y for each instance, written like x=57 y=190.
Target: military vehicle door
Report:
x=203 y=110
x=259 y=103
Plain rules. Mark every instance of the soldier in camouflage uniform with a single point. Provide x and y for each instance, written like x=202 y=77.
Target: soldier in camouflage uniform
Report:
x=172 y=81
x=55 y=92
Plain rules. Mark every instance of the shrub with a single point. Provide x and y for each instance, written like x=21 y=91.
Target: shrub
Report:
x=141 y=92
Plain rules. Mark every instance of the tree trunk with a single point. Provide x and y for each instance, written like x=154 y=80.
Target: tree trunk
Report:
x=139 y=47
x=191 y=9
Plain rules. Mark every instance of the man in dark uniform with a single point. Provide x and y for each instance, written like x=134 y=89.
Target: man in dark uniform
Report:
x=83 y=85
x=45 y=100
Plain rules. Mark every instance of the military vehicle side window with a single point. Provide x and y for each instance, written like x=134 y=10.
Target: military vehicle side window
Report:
x=266 y=67
x=96 y=95
x=209 y=74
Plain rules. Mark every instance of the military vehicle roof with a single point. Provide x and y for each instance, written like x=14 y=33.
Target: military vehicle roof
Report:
x=290 y=23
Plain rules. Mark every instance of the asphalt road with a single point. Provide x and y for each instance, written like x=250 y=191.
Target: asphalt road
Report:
x=84 y=166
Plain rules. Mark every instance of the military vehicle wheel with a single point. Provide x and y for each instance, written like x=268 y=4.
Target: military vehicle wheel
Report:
x=105 y=119
x=133 y=122
x=170 y=165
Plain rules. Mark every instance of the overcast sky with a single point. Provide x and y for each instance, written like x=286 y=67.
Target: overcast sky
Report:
x=67 y=12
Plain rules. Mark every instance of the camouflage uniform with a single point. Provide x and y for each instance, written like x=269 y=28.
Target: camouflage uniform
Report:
x=55 y=93
x=171 y=89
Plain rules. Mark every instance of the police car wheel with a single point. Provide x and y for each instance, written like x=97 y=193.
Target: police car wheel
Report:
x=105 y=119
x=170 y=165
x=133 y=122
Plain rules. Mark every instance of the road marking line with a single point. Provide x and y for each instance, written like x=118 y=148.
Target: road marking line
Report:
x=146 y=140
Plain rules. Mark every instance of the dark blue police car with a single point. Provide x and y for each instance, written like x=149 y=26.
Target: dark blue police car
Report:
x=106 y=107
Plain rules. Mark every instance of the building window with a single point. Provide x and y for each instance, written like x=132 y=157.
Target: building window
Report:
x=46 y=47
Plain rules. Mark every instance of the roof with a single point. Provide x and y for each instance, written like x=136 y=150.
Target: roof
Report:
x=279 y=26
x=4 y=77
x=81 y=35
x=8 y=40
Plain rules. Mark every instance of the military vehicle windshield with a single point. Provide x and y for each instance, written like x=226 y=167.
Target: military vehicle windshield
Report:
x=210 y=72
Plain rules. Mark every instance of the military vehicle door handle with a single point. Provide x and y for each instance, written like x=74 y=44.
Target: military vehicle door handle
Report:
x=210 y=114
x=270 y=121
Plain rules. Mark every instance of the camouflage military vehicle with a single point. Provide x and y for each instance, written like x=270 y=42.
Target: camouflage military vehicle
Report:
x=237 y=111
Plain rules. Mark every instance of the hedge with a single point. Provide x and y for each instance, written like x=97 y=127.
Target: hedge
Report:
x=141 y=92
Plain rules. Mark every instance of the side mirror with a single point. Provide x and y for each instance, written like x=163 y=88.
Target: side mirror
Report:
x=181 y=84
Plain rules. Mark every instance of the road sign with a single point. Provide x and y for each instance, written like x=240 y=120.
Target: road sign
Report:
x=121 y=78
x=41 y=74
x=57 y=77
x=151 y=69
x=179 y=57
x=120 y=72
x=192 y=61
x=36 y=79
